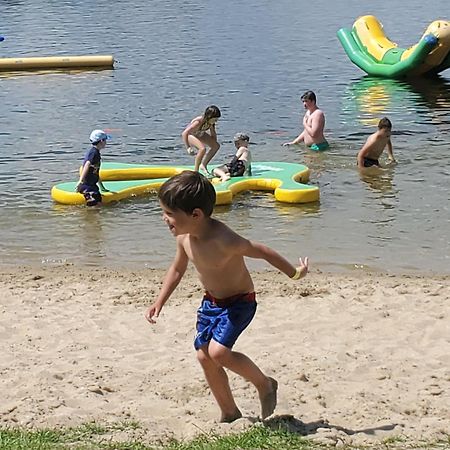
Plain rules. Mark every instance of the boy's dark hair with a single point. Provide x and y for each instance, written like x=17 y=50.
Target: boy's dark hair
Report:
x=211 y=112
x=384 y=123
x=309 y=95
x=187 y=191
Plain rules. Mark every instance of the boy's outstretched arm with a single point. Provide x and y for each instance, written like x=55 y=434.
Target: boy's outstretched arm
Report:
x=260 y=251
x=297 y=140
x=83 y=173
x=390 y=152
x=171 y=280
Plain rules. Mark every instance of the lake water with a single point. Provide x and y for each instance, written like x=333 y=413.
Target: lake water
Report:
x=253 y=59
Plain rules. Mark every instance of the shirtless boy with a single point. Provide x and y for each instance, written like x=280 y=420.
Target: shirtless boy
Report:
x=313 y=125
x=371 y=151
x=228 y=306
x=241 y=162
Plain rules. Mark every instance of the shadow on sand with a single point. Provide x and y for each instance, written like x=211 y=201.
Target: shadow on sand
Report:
x=291 y=424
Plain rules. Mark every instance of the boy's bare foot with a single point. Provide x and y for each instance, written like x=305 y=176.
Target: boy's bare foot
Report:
x=269 y=400
x=228 y=419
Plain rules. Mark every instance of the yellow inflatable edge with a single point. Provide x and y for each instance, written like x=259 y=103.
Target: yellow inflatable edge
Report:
x=54 y=62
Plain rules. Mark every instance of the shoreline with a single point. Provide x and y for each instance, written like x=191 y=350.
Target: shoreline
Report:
x=359 y=357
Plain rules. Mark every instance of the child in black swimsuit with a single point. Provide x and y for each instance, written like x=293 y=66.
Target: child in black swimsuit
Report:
x=241 y=162
x=371 y=151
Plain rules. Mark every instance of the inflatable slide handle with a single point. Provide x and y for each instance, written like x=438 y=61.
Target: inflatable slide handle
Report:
x=366 y=62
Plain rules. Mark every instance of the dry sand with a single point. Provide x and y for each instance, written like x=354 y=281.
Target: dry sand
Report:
x=358 y=357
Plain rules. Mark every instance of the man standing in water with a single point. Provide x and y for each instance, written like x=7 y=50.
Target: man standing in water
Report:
x=313 y=125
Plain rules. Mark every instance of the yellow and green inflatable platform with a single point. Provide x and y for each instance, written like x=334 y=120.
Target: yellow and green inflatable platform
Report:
x=368 y=47
x=286 y=180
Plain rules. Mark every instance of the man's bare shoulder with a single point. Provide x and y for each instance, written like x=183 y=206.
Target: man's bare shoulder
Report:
x=318 y=113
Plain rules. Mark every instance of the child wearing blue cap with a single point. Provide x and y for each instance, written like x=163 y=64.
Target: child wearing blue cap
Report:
x=89 y=183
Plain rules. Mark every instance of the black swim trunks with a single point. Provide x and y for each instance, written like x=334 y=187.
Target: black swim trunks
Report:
x=369 y=162
x=91 y=194
x=236 y=168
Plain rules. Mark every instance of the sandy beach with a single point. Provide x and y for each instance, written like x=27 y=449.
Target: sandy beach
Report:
x=358 y=357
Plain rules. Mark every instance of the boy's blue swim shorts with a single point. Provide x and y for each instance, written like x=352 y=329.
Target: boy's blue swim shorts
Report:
x=224 y=320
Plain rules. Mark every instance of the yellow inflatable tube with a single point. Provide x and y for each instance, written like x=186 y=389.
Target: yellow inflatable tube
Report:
x=55 y=62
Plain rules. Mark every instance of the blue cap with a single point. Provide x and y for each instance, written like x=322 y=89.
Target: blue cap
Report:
x=97 y=136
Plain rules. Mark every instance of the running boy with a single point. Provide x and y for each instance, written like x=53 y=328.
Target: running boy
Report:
x=89 y=182
x=373 y=148
x=201 y=133
x=229 y=304
x=241 y=162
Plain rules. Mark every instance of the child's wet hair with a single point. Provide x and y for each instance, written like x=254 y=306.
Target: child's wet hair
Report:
x=241 y=137
x=211 y=112
x=309 y=95
x=187 y=191
x=384 y=123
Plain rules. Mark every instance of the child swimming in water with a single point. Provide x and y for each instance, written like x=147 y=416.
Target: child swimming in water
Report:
x=373 y=148
x=201 y=133
x=313 y=125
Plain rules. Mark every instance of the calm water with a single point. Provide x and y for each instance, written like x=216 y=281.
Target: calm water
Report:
x=253 y=59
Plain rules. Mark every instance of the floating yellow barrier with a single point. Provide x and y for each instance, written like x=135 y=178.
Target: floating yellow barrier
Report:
x=55 y=62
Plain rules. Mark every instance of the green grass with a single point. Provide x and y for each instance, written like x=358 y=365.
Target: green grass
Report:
x=92 y=436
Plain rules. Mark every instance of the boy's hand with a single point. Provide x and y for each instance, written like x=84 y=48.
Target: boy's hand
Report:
x=301 y=270
x=303 y=267
x=153 y=311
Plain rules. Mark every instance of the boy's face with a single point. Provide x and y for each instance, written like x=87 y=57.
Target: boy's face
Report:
x=179 y=222
x=101 y=145
x=307 y=103
x=386 y=132
x=240 y=143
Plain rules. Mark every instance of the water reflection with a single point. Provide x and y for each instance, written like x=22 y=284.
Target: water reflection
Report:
x=369 y=98
x=92 y=235
x=380 y=181
x=58 y=71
